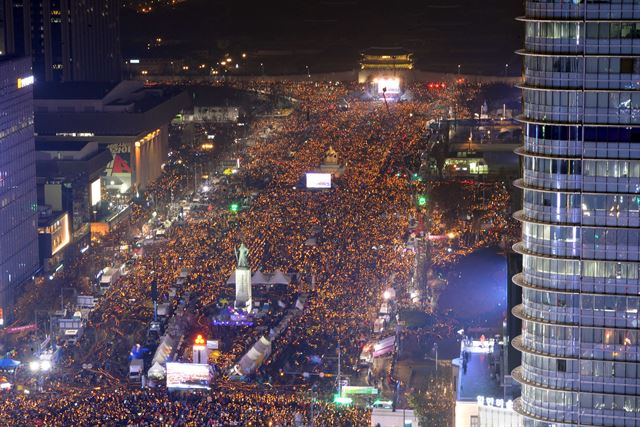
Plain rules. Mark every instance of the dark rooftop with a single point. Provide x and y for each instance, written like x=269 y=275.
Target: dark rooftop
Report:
x=61 y=145
x=386 y=51
x=478 y=379
x=72 y=90
x=209 y=96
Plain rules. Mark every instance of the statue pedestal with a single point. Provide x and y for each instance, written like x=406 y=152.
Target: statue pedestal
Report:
x=331 y=165
x=243 y=290
x=335 y=170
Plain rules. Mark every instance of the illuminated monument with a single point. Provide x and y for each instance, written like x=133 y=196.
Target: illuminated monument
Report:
x=385 y=63
x=385 y=71
x=243 y=280
x=331 y=165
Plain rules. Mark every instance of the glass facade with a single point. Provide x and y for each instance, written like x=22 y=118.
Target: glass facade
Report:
x=18 y=199
x=581 y=215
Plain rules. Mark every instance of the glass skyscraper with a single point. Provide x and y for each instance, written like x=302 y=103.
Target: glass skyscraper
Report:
x=581 y=215
x=18 y=200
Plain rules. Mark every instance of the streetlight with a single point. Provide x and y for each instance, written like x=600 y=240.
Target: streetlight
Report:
x=262 y=67
x=308 y=73
x=459 y=65
x=506 y=69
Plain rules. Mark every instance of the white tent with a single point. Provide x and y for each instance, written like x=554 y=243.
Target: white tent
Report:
x=259 y=278
x=164 y=350
x=254 y=357
x=157 y=371
x=279 y=278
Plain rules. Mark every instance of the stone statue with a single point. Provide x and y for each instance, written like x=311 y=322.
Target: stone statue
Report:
x=331 y=157
x=242 y=256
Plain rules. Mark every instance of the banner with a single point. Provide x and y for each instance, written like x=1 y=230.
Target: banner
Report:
x=17 y=329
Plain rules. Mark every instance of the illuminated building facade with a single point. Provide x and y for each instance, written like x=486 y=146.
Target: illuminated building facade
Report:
x=69 y=182
x=388 y=64
x=128 y=119
x=18 y=205
x=581 y=215
x=379 y=58
x=54 y=234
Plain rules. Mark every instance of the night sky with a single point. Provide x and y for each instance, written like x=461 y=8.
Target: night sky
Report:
x=480 y=35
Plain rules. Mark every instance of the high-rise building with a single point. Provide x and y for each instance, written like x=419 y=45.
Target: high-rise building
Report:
x=76 y=40
x=69 y=40
x=581 y=215
x=18 y=198
x=15 y=27
x=4 y=29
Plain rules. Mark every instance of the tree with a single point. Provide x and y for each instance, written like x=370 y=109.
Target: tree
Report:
x=434 y=405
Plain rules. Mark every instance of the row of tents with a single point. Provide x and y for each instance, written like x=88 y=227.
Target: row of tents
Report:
x=261 y=278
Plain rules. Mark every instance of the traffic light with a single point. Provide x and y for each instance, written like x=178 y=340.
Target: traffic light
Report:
x=234 y=207
x=422 y=200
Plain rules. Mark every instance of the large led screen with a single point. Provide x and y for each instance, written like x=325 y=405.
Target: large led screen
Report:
x=318 y=180
x=96 y=192
x=188 y=376
x=392 y=85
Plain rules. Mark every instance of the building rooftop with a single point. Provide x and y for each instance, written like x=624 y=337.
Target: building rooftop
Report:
x=206 y=96
x=479 y=378
x=61 y=145
x=48 y=217
x=72 y=90
x=127 y=109
x=392 y=51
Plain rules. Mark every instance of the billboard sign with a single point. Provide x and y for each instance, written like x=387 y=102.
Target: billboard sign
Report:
x=318 y=180
x=96 y=192
x=188 y=376
x=352 y=389
x=119 y=170
x=18 y=329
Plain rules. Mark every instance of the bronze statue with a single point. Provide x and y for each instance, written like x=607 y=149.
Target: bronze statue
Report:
x=242 y=256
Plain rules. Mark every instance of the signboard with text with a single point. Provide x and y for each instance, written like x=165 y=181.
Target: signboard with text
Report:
x=18 y=329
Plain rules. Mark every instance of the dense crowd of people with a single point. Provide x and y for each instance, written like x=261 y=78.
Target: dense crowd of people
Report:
x=359 y=227
x=224 y=407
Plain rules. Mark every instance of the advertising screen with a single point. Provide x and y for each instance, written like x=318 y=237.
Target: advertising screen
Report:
x=318 y=180
x=391 y=84
x=118 y=171
x=188 y=376
x=61 y=234
x=96 y=192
